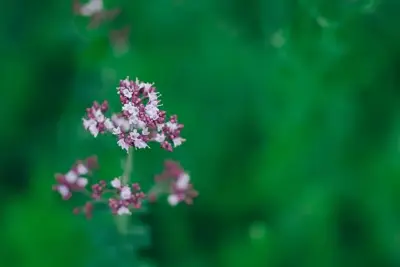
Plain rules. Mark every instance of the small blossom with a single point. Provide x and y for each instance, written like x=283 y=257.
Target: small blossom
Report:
x=178 y=141
x=63 y=190
x=116 y=183
x=127 y=93
x=88 y=123
x=72 y=181
x=139 y=143
x=130 y=108
x=109 y=125
x=126 y=193
x=121 y=142
x=147 y=86
x=81 y=182
x=95 y=10
x=160 y=137
x=98 y=190
x=178 y=184
x=129 y=197
x=99 y=116
x=123 y=211
x=92 y=7
x=82 y=169
x=71 y=177
x=153 y=96
x=173 y=200
x=182 y=181
x=96 y=122
x=145 y=131
x=182 y=190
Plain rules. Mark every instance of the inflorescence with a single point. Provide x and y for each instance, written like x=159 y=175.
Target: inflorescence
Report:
x=140 y=122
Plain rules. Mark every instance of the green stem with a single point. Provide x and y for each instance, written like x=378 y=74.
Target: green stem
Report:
x=128 y=167
x=122 y=222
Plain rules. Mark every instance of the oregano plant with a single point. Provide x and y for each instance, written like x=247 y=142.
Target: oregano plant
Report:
x=140 y=123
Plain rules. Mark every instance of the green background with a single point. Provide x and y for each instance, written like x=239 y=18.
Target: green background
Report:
x=291 y=113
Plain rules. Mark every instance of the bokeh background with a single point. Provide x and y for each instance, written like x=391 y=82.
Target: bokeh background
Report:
x=291 y=112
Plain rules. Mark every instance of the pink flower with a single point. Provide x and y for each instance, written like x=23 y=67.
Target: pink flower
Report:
x=176 y=182
x=128 y=198
x=140 y=121
x=73 y=180
x=123 y=198
x=181 y=190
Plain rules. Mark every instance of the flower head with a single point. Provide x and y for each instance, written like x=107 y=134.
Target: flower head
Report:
x=140 y=121
x=128 y=197
x=74 y=179
x=175 y=182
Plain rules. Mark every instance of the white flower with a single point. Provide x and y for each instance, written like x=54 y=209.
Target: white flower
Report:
x=145 y=131
x=130 y=108
x=121 y=123
x=173 y=200
x=116 y=131
x=123 y=211
x=71 y=177
x=139 y=83
x=125 y=126
x=81 y=182
x=153 y=96
x=160 y=127
x=140 y=124
x=93 y=130
x=81 y=169
x=133 y=120
x=116 y=183
x=63 y=190
x=182 y=182
x=121 y=142
x=134 y=134
x=88 y=123
x=108 y=124
x=159 y=138
x=152 y=111
x=125 y=82
x=92 y=7
x=99 y=115
x=127 y=93
x=172 y=126
x=147 y=86
x=139 y=143
x=126 y=193
x=178 y=141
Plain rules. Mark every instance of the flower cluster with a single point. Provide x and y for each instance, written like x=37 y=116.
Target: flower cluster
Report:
x=175 y=182
x=123 y=198
x=140 y=121
x=129 y=196
x=73 y=180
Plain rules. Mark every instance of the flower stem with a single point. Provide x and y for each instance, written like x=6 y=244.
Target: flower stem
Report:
x=122 y=222
x=128 y=167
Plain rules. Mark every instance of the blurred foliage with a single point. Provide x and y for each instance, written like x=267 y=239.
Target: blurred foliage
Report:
x=291 y=111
